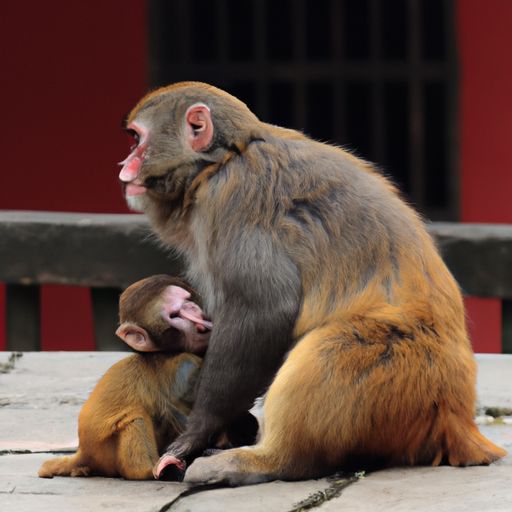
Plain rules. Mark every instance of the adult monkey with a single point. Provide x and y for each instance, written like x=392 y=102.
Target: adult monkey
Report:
x=298 y=245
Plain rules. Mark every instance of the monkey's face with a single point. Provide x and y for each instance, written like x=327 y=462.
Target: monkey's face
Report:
x=165 y=151
x=187 y=335
x=177 y=131
x=157 y=314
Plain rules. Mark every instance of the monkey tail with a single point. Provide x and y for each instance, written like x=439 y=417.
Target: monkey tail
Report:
x=72 y=465
x=464 y=445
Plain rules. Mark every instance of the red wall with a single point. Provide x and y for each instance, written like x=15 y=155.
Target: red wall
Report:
x=70 y=73
x=485 y=42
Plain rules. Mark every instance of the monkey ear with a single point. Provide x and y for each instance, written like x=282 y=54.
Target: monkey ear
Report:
x=136 y=337
x=199 y=126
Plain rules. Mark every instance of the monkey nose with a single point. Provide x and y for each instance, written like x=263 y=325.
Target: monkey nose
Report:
x=134 y=190
x=131 y=168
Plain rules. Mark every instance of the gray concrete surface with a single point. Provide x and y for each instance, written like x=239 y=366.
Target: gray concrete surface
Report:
x=41 y=396
x=494 y=383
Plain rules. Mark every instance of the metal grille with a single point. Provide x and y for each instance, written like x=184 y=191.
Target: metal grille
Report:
x=375 y=76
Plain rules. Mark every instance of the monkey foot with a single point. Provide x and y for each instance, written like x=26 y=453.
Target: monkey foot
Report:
x=169 y=468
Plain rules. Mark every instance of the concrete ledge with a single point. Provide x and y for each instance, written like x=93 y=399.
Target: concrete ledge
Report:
x=479 y=256
x=113 y=250
x=101 y=250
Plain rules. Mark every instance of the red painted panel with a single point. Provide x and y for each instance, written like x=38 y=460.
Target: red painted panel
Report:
x=484 y=324
x=70 y=306
x=485 y=39
x=70 y=73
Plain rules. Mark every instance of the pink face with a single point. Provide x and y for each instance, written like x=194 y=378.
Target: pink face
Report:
x=184 y=316
x=198 y=136
x=132 y=164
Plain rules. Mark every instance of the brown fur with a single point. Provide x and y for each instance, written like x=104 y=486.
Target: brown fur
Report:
x=136 y=409
x=380 y=367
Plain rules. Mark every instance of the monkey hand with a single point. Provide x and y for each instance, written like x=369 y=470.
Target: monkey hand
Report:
x=172 y=464
x=184 y=448
x=169 y=468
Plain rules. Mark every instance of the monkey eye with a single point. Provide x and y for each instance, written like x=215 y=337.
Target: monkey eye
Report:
x=135 y=136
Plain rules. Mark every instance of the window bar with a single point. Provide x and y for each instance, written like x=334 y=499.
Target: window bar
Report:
x=183 y=8
x=416 y=113
x=299 y=62
x=451 y=113
x=378 y=135
x=260 y=50
x=337 y=55
x=222 y=27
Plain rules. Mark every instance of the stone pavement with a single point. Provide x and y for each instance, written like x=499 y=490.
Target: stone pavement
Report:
x=41 y=395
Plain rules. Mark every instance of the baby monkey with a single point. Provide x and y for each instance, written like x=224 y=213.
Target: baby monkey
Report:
x=142 y=402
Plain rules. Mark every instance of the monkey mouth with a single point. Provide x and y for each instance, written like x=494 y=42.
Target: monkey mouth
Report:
x=132 y=189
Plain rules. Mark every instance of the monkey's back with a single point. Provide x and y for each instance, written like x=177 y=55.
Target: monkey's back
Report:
x=153 y=385
x=358 y=247
x=381 y=314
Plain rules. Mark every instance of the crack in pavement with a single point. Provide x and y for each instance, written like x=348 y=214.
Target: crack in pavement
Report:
x=62 y=451
x=189 y=492
x=15 y=452
x=33 y=493
x=11 y=362
x=338 y=481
